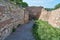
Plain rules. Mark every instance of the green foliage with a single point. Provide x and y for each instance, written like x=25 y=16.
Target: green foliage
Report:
x=44 y=31
x=13 y=30
x=20 y=3
x=24 y=4
x=18 y=25
x=57 y=6
x=11 y=0
x=49 y=9
x=16 y=0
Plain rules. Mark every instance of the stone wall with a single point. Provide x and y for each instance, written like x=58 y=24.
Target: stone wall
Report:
x=44 y=15
x=10 y=16
x=53 y=17
x=34 y=12
x=5 y=28
x=26 y=16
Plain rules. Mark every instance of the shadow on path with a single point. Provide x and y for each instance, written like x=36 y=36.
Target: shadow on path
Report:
x=22 y=33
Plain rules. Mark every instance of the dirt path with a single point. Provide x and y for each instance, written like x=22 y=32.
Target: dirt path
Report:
x=23 y=33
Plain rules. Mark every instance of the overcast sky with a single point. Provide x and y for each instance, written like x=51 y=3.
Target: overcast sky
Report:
x=44 y=3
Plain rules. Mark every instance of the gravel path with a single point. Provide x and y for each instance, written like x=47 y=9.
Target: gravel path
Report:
x=22 y=33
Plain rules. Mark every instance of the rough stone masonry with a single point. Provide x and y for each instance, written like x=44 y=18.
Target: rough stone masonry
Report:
x=53 y=17
x=10 y=17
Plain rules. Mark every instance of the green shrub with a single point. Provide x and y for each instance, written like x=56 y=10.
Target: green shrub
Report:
x=13 y=30
x=44 y=31
x=18 y=25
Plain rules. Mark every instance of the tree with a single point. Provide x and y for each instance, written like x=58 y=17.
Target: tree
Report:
x=57 y=6
x=20 y=3
x=24 y=4
x=16 y=0
x=49 y=9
